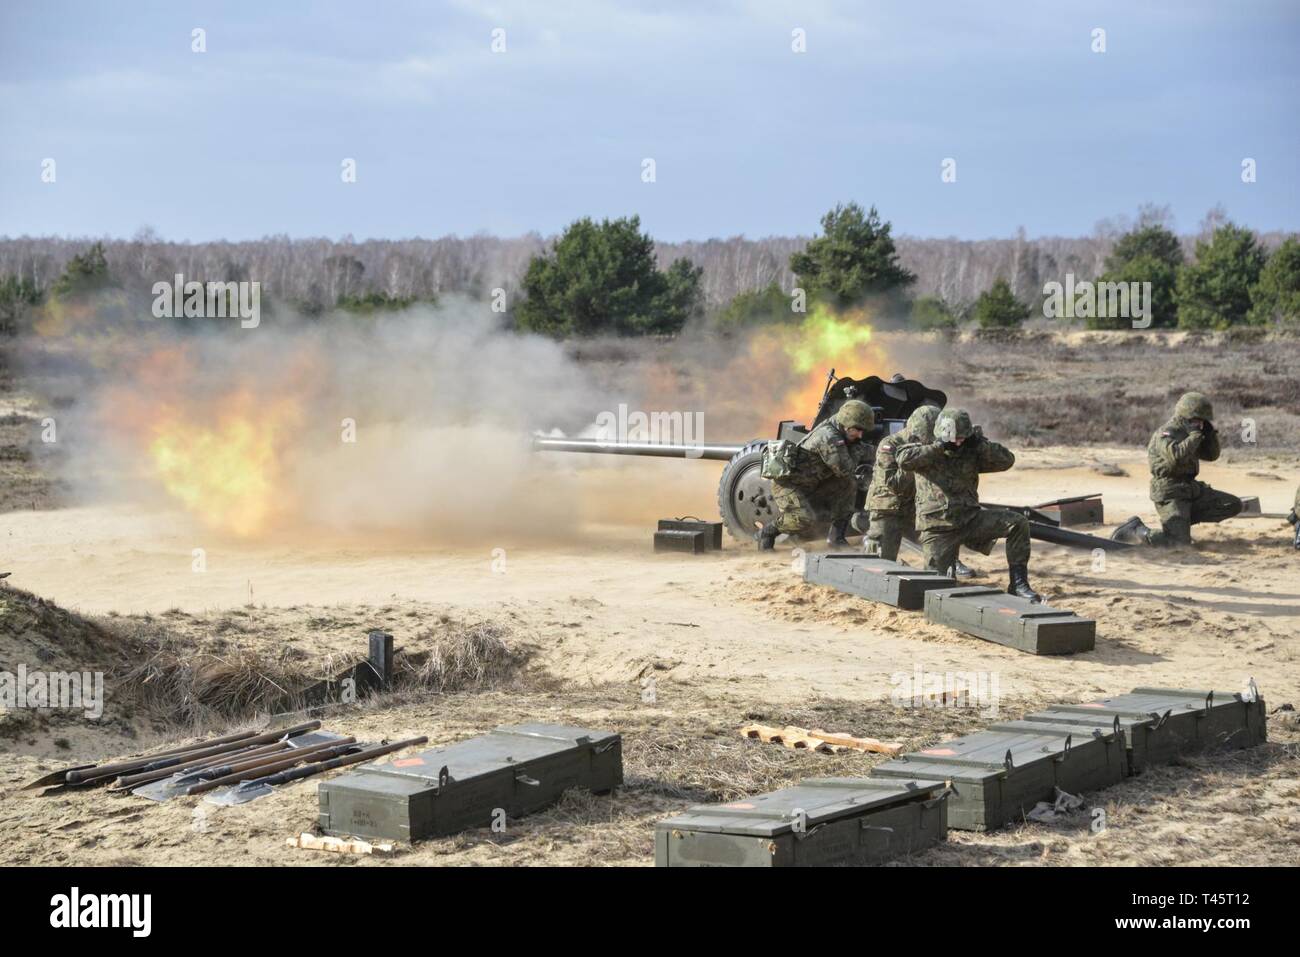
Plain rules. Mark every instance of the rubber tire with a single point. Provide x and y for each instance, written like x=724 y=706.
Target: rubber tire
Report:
x=735 y=472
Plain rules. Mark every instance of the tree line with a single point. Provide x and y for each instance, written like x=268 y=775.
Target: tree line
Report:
x=609 y=277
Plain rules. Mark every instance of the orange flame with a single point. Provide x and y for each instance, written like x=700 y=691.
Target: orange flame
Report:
x=227 y=471
x=807 y=351
x=221 y=453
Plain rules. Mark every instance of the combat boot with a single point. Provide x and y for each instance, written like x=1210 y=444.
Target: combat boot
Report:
x=836 y=535
x=1132 y=532
x=961 y=569
x=1020 y=584
x=767 y=537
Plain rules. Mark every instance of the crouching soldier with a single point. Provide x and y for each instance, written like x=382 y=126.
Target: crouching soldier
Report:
x=891 y=498
x=948 y=512
x=1175 y=453
x=1294 y=518
x=821 y=483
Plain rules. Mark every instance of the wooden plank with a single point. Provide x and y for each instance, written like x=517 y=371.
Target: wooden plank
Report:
x=817 y=740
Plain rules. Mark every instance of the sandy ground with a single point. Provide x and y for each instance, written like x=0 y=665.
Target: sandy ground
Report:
x=727 y=638
x=604 y=605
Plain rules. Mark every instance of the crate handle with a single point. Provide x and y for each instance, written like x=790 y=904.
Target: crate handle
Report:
x=444 y=777
x=689 y=518
x=935 y=801
x=602 y=748
x=1209 y=700
x=1117 y=729
x=1163 y=718
x=1007 y=761
x=525 y=779
x=804 y=834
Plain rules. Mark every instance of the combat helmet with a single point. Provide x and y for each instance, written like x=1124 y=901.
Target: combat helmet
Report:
x=1194 y=405
x=855 y=414
x=921 y=422
x=953 y=424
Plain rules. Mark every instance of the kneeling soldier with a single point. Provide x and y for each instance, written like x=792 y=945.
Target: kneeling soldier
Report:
x=948 y=512
x=1175 y=452
x=1294 y=518
x=891 y=499
x=823 y=485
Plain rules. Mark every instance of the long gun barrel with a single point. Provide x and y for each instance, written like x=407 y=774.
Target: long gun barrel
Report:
x=717 y=453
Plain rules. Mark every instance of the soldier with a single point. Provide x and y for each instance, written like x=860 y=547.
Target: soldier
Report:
x=891 y=499
x=1294 y=517
x=824 y=485
x=1175 y=452
x=948 y=512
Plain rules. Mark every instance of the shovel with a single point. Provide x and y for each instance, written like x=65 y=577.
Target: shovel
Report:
x=247 y=791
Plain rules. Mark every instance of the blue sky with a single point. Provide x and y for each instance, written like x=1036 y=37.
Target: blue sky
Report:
x=748 y=137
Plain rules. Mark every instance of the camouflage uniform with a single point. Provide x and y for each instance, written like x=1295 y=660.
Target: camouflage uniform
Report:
x=891 y=498
x=1294 y=517
x=825 y=486
x=948 y=512
x=1175 y=452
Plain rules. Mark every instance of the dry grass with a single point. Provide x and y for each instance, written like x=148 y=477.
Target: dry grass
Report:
x=458 y=658
x=196 y=689
x=191 y=682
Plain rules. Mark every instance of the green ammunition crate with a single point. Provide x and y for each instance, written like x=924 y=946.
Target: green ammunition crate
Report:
x=1161 y=723
x=877 y=579
x=515 y=770
x=712 y=531
x=993 y=615
x=676 y=540
x=818 y=822
x=998 y=776
x=1096 y=757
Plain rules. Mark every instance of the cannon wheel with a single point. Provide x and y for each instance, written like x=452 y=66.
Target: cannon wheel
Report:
x=744 y=496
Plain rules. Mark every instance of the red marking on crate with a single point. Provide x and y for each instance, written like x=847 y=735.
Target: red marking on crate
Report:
x=407 y=762
x=946 y=752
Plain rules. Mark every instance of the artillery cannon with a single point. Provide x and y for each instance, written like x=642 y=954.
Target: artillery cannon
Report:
x=744 y=498
x=743 y=494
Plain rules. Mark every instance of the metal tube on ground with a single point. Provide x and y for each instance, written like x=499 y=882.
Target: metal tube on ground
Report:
x=226 y=770
x=144 y=777
x=114 y=770
x=294 y=774
x=283 y=763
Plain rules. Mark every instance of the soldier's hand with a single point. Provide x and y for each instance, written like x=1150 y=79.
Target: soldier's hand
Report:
x=975 y=440
x=1207 y=426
